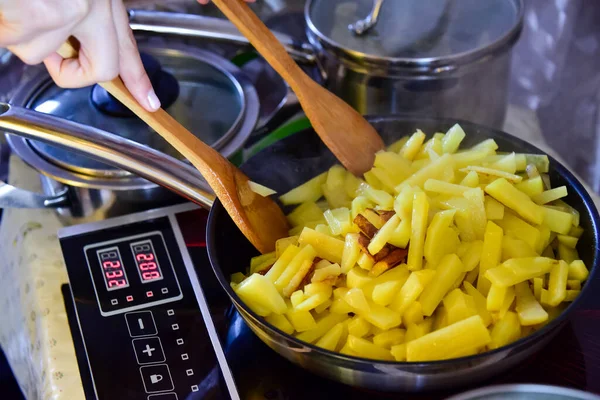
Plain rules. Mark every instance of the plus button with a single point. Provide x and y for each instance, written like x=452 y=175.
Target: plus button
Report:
x=149 y=350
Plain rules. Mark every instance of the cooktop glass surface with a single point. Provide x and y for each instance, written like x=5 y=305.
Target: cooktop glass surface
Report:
x=260 y=373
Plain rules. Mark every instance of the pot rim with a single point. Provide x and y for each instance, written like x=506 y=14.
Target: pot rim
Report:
x=575 y=185
x=522 y=388
x=433 y=65
x=237 y=135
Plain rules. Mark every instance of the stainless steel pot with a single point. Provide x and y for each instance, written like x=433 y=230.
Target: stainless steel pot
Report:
x=278 y=103
x=436 y=58
x=218 y=29
x=216 y=100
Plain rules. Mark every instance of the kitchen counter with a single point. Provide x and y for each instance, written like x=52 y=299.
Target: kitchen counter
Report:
x=34 y=333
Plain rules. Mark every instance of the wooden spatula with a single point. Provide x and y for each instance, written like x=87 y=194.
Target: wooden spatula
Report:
x=347 y=134
x=259 y=218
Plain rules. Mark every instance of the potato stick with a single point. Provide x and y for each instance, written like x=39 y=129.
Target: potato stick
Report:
x=420 y=217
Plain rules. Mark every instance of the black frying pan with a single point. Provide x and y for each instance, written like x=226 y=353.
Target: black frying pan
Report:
x=302 y=156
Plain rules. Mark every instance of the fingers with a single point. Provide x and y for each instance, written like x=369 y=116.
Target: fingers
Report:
x=23 y=21
x=130 y=64
x=36 y=50
x=98 y=61
x=102 y=57
x=34 y=32
x=35 y=29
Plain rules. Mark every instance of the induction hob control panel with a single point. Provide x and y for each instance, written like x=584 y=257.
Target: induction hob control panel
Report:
x=141 y=314
x=131 y=273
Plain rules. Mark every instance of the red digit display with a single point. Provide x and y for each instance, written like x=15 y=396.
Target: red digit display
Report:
x=145 y=256
x=148 y=276
x=112 y=268
x=148 y=266
x=146 y=261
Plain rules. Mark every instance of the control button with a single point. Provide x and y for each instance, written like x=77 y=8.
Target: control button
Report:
x=189 y=372
x=140 y=323
x=114 y=302
x=180 y=341
x=157 y=378
x=164 y=290
x=163 y=396
x=194 y=388
x=175 y=327
x=149 y=293
x=184 y=356
x=129 y=298
x=170 y=312
x=148 y=350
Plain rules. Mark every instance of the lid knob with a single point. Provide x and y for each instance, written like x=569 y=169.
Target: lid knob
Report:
x=165 y=85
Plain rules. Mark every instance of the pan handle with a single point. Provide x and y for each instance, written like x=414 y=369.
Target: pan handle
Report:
x=13 y=197
x=190 y=25
x=178 y=176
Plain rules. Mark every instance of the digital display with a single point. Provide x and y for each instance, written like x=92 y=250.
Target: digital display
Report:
x=146 y=261
x=112 y=268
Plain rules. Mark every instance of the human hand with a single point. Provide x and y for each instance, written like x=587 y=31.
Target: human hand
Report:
x=34 y=30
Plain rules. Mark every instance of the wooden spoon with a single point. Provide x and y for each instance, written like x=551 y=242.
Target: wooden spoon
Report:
x=347 y=134
x=259 y=218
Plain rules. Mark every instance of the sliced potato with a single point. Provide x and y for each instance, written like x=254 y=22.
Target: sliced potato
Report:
x=310 y=191
x=439 y=251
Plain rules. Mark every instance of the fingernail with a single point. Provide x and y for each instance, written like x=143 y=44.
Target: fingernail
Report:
x=153 y=101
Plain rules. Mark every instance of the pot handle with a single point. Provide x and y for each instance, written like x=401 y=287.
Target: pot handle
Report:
x=190 y=25
x=178 y=176
x=13 y=197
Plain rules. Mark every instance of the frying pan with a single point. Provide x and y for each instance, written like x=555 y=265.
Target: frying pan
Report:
x=296 y=159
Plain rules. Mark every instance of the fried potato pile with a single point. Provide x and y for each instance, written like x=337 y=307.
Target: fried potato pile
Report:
x=437 y=253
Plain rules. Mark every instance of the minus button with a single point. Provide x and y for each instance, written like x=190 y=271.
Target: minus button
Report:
x=141 y=323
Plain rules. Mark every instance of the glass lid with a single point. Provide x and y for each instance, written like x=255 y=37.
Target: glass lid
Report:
x=415 y=29
x=209 y=103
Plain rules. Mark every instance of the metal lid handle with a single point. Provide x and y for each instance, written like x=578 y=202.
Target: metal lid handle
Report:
x=126 y=154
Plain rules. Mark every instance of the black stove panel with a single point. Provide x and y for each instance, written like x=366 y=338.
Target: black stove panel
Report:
x=260 y=373
x=145 y=339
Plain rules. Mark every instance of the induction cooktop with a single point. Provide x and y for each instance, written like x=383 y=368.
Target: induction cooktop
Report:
x=149 y=320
